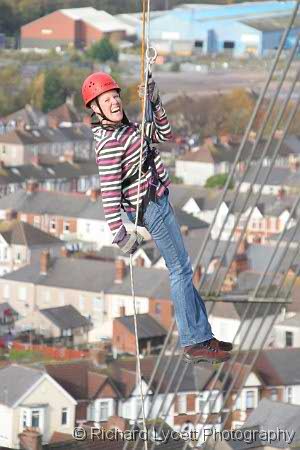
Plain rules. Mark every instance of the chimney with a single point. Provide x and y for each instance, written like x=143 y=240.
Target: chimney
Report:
x=44 y=262
x=30 y=439
x=197 y=276
x=122 y=311
x=118 y=423
x=94 y=195
x=31 y=186
x=120 y=269
x=64 y=252
x=11 y=214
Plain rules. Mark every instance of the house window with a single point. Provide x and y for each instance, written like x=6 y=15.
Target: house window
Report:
x=6 y=291
x=5 y=253
x=64 y=416
x=202 y=402
x=289 y=338
x=249 y=399
x=18 y=256
x=228 y=45
x=53 y=225
x=199 y=44
x=23 y=217
x=213 y=402
x=66 y=227
x=25 y=418
x=181 y=403
x=37 y=221
x=98 y=304
x=289 y=394
x=273 y=394
x=103 y=410
x=87 y=228
x=35 y=418
x=22 y=293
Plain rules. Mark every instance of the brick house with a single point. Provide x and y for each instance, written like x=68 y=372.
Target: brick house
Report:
x=68 y=216
x=65 y=175
x=71 y=28
x=151 y=334
x=20 y=146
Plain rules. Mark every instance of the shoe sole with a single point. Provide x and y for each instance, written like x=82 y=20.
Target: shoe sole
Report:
x=207 y=361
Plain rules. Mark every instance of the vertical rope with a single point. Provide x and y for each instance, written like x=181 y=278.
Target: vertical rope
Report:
x=138 y=365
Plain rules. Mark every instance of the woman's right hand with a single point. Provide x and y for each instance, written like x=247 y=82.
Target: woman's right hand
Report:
x=153 y=92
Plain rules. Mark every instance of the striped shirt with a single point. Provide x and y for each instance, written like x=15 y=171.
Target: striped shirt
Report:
x=117 y=157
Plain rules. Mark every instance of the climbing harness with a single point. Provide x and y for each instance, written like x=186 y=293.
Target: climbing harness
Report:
x=149 y=61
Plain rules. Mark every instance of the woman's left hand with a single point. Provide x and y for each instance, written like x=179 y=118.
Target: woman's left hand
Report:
x=153 y=92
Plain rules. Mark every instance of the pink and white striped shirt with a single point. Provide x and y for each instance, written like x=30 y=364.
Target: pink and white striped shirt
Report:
x=117 y=157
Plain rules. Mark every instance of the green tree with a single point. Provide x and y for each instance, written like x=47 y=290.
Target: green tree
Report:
x=103 y=51
x=54 y=93
x=218 y=181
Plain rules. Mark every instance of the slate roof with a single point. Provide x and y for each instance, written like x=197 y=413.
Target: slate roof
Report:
x=29 y=115
x=44 y=135
x=15 y=381
x=226 y=153
x=47 y=171
x=278 y=367
x=190 y=221
x=16 y=232
x=148 y=327
x=277 y=177
x=64 y=113
x=65 y=317
x=54 y=203
x=196 y=377
x=271 y=415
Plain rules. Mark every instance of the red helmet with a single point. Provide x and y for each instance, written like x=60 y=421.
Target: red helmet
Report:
x=95 y=84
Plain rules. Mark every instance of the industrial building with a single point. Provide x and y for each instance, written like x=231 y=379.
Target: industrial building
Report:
x=238 y=29
x=71 y=28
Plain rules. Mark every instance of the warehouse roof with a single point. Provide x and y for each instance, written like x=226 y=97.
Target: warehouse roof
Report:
x=98 y=19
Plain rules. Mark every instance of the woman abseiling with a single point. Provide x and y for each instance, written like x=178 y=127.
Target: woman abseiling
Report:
x=118 y=143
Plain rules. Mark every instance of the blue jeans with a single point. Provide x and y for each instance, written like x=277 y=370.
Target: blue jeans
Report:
x=190 y=312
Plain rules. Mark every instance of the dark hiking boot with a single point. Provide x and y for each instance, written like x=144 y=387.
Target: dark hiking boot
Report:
x=223 y=345
x=208 y=351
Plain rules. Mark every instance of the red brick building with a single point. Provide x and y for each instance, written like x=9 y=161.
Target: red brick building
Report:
x=71 y=28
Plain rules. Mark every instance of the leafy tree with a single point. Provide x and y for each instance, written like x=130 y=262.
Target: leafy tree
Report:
x=103 y=51
x=218 y=181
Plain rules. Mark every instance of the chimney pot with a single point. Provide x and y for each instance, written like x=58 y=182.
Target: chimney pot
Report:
x=31 y=186
x=120 y=268
x=94 y=195
x=122 y=311
x=44 y=262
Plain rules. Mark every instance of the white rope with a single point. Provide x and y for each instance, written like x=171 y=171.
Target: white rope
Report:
x=135 y=225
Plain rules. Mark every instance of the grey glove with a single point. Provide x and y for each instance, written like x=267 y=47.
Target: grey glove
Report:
x=153 y=92
x=130 y=243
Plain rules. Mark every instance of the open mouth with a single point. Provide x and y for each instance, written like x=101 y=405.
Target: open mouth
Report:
x=115 y=110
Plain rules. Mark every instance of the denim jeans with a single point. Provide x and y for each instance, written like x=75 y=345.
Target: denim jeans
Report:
x=190 y=312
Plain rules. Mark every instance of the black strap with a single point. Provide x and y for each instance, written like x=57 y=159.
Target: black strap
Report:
x=151 y=191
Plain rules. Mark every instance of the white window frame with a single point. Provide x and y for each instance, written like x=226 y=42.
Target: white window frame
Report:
x=22 y=293
x=6 y=291
x=289 y=394
x=37 y=221
x=65 y=414
x=53 y=222
x=66 y=226
x=27 y=414
x=252 y=392
x=181 y=404
x=23 y=217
